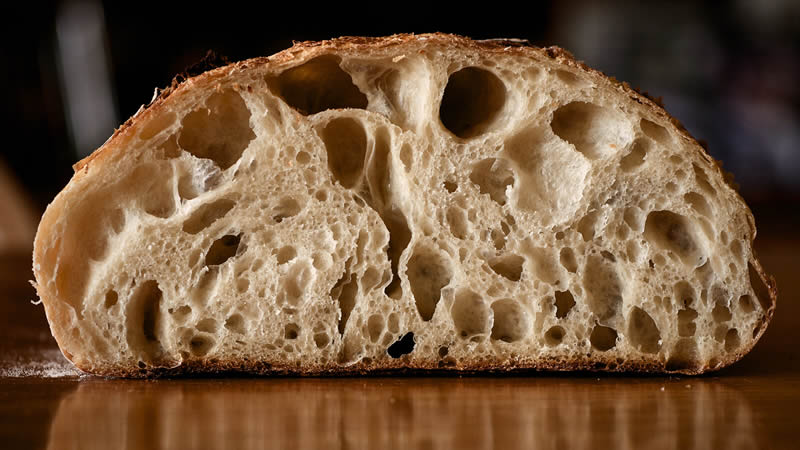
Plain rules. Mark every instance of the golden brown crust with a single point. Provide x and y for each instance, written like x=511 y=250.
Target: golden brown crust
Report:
x=403 y=367
x=303 y=51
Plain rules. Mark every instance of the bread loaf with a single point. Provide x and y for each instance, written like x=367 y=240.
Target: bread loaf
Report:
x=414 y=202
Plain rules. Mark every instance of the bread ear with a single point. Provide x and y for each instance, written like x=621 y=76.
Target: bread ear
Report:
x=410 y=202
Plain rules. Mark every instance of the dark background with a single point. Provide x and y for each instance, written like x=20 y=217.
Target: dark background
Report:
x=729 y=72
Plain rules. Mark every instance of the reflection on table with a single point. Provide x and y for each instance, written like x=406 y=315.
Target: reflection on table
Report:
x=376 y=413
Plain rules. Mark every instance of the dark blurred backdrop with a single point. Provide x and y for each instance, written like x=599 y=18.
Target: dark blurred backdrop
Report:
x=74 y=70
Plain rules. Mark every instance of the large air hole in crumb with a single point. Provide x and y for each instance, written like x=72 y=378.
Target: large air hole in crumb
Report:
x=603 y=338
x=569 y=78
x=759 y=288
x=379 y=168
x=746 y=304
x=153 y=191
x=702 y=180
x=321 y=340
x=201 y=344
x=603 y=288
x=207 y=325
x=674 y=232
x=643 y=331
x=207 y=214
x=511 y=322
x=318 y=85
x=635 y=158
x=220 y=131
x=586 y=225
x=145 y=321
x=321 y=260
x=111 y=298
x=407 y=157
x=732 y=341
x=168 y=148
x=399 y=237
x=564 y=303
x=371 y=279
x=428 y=272
x=704 y=274
x=471 y=102
x=554 y=336
x=291 y=331
x=684 y=356
x=205 y=286
x=321 y=195
x=567 y=258
x=698 y=203
x=393 y=323
x=402 y=346
x=719 y=333
x=686 y=325
x=594 y=131
x=721 y=313
x=346 y=143
x=286 y=254
x=632 y=217
x=655 y=132
x=538 y=159
x=242 y=284
x=470 y=314
x=344 y=293
x=633 y=251
x=493 y=176
x=287 y=207
x=736 y=249
x=223 y=249
x=391 y=83
x=508 y=266
x=197 y=177
x=235 y=323
x=684 y=293
x=498 y=239
x=375 y=326
x=457 y=221
x=721 y=301
x=181 y=313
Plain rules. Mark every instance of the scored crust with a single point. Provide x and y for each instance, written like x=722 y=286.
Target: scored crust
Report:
x=370 y=47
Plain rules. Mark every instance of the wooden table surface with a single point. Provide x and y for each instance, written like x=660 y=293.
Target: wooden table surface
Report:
x=754 y=404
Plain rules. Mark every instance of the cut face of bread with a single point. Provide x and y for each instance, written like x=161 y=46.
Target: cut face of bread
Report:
x=411 y=202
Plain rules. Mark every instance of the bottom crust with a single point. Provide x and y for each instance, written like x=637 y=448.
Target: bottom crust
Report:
x=198 y=367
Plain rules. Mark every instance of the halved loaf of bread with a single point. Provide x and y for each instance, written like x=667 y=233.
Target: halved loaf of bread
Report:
x=411 y=202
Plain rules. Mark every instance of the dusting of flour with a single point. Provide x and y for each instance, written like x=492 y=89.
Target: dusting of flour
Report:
x=49 y=363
